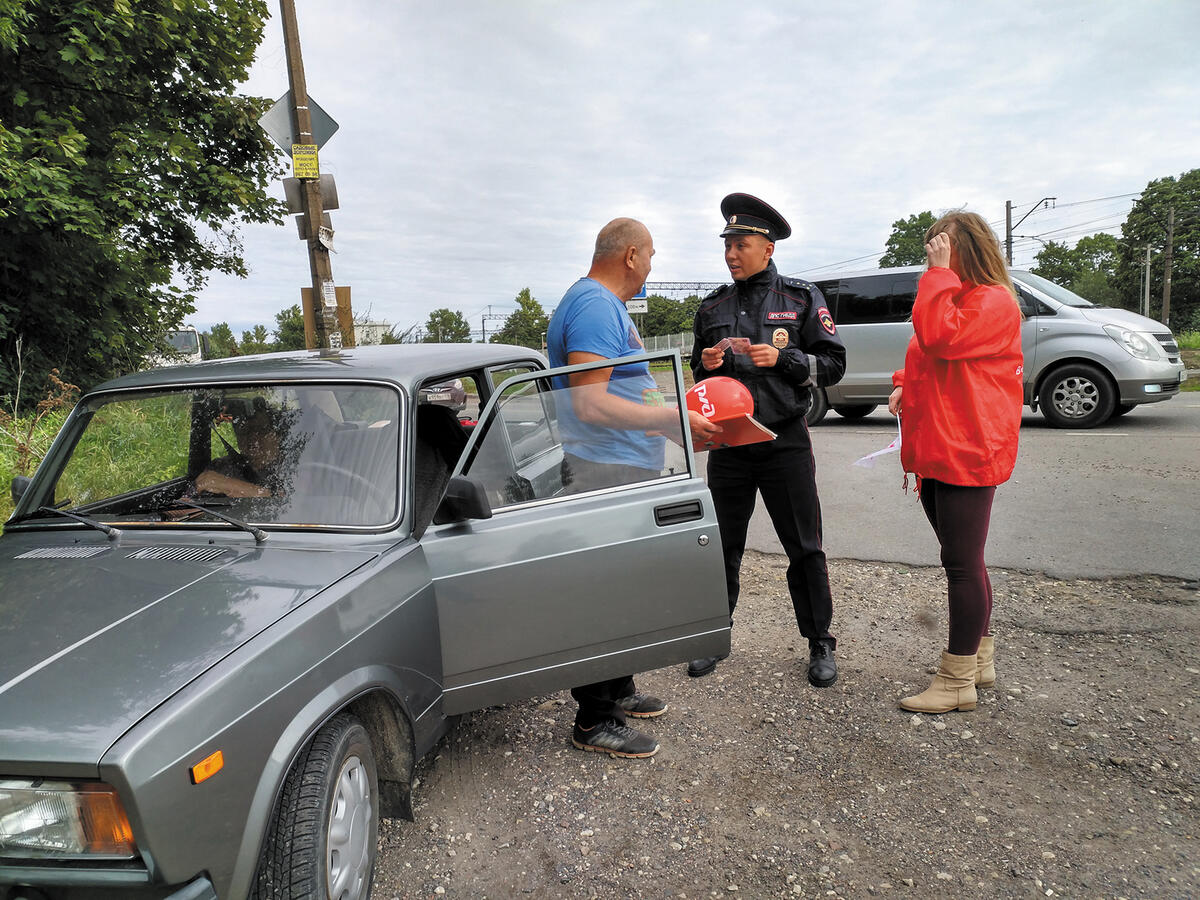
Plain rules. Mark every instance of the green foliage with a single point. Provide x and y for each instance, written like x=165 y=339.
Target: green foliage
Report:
x=1089 y=268
x=447 y=327
x=289 y=328
x=666 y=316
x=1146 y=226
x=1188 y=340
x=525 y=326
x=906 y=244
x=127 y=164
x=256 y=340
x=221 y=342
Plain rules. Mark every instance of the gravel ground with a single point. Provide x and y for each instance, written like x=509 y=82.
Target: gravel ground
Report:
x=1075 y=777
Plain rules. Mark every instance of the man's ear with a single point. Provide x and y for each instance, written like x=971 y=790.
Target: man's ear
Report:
x=630 y=252
x=770 y=248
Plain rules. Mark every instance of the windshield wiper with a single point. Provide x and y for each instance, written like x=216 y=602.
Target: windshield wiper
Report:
x=113 y=533
x=259 y=534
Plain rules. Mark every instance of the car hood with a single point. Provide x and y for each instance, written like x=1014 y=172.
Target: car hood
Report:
x=96 y=634
x=1111 y=315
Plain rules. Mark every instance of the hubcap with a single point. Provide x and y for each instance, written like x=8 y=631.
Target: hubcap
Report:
x=1076 y=397
x=348 y=833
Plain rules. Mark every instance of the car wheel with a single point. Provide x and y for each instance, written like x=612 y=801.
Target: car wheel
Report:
x=1077 y=396
x=1121 y=408
x=817 y=405
x=322 y=840
x=857 y=411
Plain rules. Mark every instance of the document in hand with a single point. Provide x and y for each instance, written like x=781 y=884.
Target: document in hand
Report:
x=728 y=403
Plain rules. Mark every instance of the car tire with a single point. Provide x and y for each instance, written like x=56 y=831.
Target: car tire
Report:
x=322 y=840
x=857 y=411
x=1121 y=408
x=818 y=405
x=1077 y=396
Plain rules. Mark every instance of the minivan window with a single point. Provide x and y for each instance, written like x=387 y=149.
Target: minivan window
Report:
x=1061 y=294
x=877 y=298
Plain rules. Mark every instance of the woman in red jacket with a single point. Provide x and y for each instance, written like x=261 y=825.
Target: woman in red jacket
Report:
x=959 y=399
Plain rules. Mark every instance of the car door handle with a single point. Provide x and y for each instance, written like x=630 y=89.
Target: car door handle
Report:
x=677 y=512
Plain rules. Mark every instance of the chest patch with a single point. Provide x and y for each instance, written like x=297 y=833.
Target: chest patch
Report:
x=826 y=320
x=785 y=316
x=779 y=338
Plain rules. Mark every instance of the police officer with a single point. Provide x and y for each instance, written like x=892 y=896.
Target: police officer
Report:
x=793 y=345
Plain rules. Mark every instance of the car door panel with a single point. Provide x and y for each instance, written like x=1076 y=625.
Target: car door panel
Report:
x=556 y=589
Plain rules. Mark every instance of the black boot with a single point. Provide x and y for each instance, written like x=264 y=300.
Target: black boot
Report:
x=704 y=665
x=822 y=667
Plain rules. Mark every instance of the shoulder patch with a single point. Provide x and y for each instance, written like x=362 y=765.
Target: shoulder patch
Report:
x=799 y=283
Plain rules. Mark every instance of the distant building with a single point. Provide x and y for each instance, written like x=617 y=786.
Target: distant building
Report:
x=370 y=332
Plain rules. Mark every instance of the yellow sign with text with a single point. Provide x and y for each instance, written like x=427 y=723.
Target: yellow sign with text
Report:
x=304 y=161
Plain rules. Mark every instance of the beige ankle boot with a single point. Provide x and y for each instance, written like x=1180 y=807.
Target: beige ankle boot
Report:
x=985 y=666
x=953 y=687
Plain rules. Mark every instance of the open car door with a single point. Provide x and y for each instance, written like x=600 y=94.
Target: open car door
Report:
x=561 y=587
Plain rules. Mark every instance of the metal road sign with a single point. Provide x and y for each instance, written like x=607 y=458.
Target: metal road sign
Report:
x=277 y=123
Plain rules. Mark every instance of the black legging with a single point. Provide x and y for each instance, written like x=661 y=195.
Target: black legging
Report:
x=960 y=516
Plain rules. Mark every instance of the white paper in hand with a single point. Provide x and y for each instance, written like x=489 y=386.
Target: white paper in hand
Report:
x=868 y=461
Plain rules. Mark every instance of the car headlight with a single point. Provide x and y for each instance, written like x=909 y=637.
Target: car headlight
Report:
x=63 y=820
x=1135 y=342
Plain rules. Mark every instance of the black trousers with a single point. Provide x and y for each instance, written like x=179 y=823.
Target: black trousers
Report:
x=783 y=471
x=598 y=701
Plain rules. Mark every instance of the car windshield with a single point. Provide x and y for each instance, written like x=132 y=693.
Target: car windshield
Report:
x=315 y=455
x=1049 y=288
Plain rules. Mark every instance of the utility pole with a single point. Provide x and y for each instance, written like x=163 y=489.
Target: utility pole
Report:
x=1166 y=304
x=324 y=296
x=1146 y=286
x=1009 y=226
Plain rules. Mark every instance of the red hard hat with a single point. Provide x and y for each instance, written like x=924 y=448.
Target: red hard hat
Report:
x=720 y=398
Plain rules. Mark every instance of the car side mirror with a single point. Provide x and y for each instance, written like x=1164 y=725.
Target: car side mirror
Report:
x=464 y=499
x=20 y=484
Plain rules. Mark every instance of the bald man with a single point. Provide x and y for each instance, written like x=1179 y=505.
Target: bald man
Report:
x=612 y=435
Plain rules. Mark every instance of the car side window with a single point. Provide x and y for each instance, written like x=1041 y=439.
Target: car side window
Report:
x=876 y=298
x=524 y=453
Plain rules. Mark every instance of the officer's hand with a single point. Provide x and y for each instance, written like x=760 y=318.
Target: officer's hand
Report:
x=937 y=251
x=712 y=358
x=894 y=402
x=764 y=355
x=703 y=431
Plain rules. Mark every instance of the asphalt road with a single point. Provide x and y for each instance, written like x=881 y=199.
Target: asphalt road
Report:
x=1123 y=499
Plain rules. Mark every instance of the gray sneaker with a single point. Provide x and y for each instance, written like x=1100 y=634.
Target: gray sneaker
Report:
x=615 y=739
x=642 y=706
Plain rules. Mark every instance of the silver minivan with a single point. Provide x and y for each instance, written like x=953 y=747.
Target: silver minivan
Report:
x=1084 y=363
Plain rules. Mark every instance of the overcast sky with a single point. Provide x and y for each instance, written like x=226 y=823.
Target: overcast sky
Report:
x=483 y=144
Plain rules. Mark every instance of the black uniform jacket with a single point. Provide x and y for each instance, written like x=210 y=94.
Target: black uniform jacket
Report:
x=787 y=313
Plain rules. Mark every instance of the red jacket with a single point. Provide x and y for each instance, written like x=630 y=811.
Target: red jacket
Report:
x=960 y=410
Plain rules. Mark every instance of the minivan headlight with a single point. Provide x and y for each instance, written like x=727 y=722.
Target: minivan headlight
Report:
x=1136 y=343
x=63 y=820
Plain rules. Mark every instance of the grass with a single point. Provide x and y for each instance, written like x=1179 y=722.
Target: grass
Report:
x=1188 y=340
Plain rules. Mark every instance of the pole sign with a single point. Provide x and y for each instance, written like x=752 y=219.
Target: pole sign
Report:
x=304 y=161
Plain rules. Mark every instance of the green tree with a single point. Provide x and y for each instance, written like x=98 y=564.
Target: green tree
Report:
x=1058 y=263
x=906 y=244
x=1146 y=226
x=127 y=164
x=1088 y=268
x=289 y=329
x=447 y=327
x=667 y=316
x=256 y=340
x=221 y=342
x=525 y=325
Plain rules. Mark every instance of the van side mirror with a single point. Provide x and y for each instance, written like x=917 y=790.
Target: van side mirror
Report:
x=464 y=499
x=20 y=484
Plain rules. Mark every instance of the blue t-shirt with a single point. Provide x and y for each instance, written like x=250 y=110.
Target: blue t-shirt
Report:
x=591 y=319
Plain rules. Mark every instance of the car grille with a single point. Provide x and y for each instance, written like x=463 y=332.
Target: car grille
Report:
x=62 y=553
x=1169 y=345
x=179 y=554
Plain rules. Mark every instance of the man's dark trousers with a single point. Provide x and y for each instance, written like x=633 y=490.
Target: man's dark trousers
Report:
x=784 y=472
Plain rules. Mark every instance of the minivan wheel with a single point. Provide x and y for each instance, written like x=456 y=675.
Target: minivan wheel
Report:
x=818 y=405
x=1077 y=396
x=322 y=840
x=857 y=411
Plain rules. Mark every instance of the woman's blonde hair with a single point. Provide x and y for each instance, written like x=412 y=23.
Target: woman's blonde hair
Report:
x=977 y=247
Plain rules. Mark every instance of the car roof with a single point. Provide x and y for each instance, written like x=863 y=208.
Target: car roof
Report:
x=402 y=364
x=866 y=273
